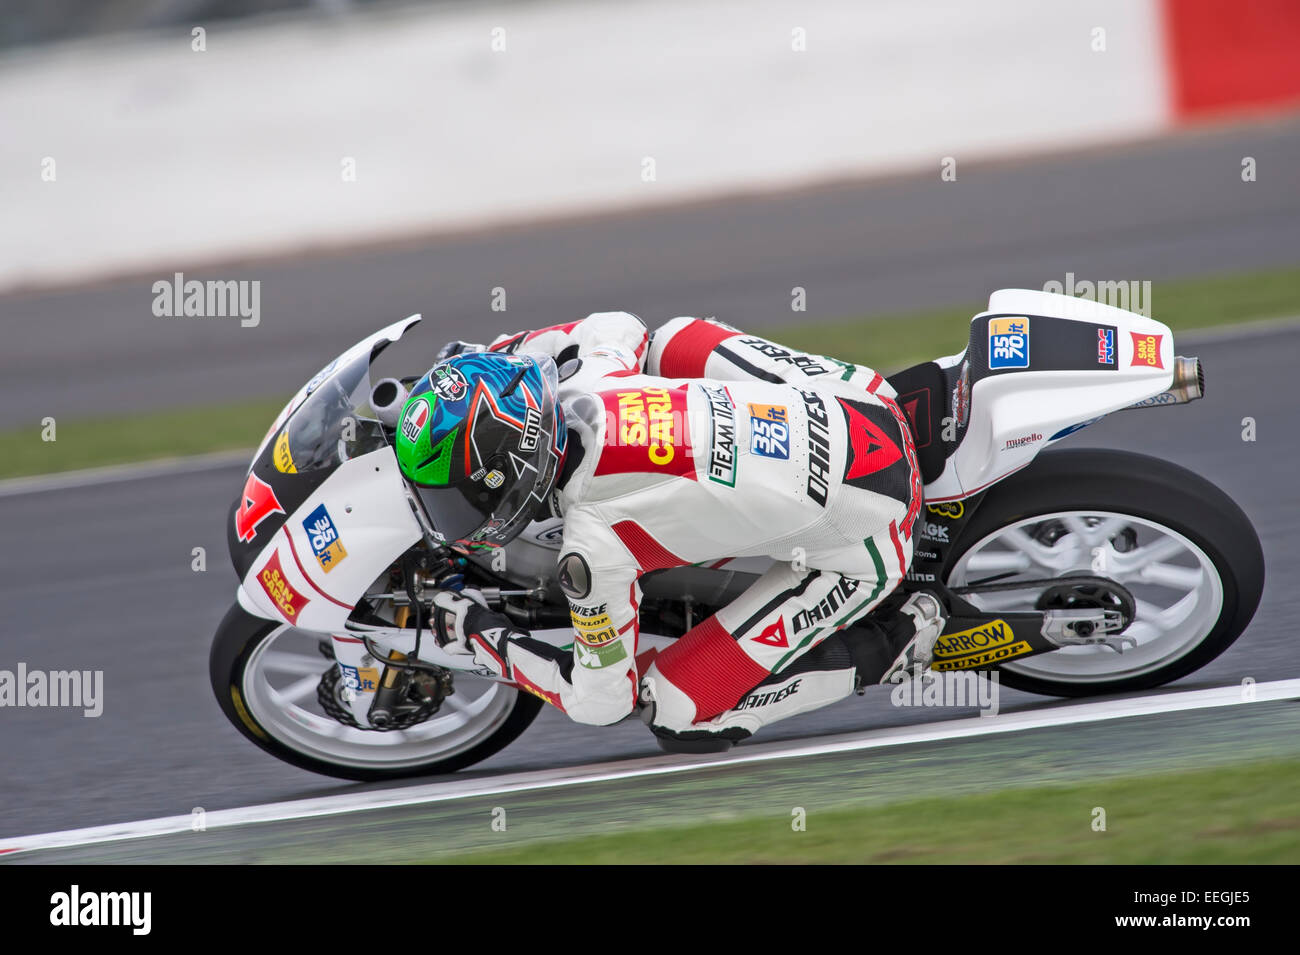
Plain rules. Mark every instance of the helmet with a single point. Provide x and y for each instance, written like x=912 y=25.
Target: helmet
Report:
x=480 y=439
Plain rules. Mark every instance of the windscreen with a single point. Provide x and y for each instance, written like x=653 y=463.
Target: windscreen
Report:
x=335 y=422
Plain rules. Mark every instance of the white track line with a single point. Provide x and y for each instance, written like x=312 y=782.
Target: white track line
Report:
x=114 y=473
x=1251 y=329
x=664 y=765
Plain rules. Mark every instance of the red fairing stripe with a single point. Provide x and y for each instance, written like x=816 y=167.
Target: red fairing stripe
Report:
x=687 y=351
x=314 y=586
x=709 y=667
x=648 y=552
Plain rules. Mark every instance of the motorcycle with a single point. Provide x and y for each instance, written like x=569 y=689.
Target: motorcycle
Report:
x=1072 y=572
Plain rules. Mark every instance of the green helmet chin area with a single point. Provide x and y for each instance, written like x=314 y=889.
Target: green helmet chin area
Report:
x=422 y=458
x=480 y=439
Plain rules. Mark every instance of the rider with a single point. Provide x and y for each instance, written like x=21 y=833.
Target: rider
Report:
x=697 y=445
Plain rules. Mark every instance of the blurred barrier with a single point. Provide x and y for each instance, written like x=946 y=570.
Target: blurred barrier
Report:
x=1228 y=57
x=240 y=140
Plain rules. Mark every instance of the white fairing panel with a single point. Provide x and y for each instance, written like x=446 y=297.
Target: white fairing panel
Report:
x=369 y=524
x=1014 y=416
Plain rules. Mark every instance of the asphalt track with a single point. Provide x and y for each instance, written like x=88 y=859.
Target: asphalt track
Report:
x=1081 y=744
x=1154 y=210
x=100 y=577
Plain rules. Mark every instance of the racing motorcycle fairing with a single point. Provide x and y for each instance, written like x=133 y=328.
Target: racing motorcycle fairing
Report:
x=315 y=567
x=1038 y=367
x=323 y=509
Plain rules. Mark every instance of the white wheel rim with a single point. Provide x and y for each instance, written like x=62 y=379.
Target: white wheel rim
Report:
x=279 y=689
x=1177 y=588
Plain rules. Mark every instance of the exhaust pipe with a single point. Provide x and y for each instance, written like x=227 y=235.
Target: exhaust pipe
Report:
x=386 y=400
x=1188 y=385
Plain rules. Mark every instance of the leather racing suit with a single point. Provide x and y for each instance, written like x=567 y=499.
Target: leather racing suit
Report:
x=702 y=445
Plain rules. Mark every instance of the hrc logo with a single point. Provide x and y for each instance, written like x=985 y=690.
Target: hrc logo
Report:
x=1105 y=346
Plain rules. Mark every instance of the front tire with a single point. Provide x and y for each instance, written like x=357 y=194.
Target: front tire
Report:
x=247 y=651
x=1104 y=513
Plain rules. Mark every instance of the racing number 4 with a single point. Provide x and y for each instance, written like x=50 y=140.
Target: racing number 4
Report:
x=256 y=504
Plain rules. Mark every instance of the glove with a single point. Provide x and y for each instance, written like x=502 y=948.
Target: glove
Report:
x=464 y=625
x=456 y=348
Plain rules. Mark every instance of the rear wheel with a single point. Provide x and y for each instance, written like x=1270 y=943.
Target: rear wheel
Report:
x=266 y=677
x=1183 y=548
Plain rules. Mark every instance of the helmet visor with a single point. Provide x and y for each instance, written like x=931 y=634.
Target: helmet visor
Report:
x=475 y=513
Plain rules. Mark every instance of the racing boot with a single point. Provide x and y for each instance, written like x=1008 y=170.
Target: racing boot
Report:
x=917 y=624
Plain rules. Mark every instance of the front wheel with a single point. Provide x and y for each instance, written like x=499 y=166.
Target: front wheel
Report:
x=1182 y=547
x=266 y=678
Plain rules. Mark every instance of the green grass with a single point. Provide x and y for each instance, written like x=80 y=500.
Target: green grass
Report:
x=91 y=442
x=885 y=342
x=896 y=341
x=1243 y=814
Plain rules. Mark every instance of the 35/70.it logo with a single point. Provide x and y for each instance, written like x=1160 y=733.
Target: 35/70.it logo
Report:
x=769 y=431
x=1009 y=342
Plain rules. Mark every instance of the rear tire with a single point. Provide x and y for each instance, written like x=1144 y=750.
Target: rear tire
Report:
x=1152 y=490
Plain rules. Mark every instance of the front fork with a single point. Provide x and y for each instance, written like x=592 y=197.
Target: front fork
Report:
x=379 y=692
x=359 y=675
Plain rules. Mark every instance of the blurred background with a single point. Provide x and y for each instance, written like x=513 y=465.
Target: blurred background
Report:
x=366 y=160
x=845 y=175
